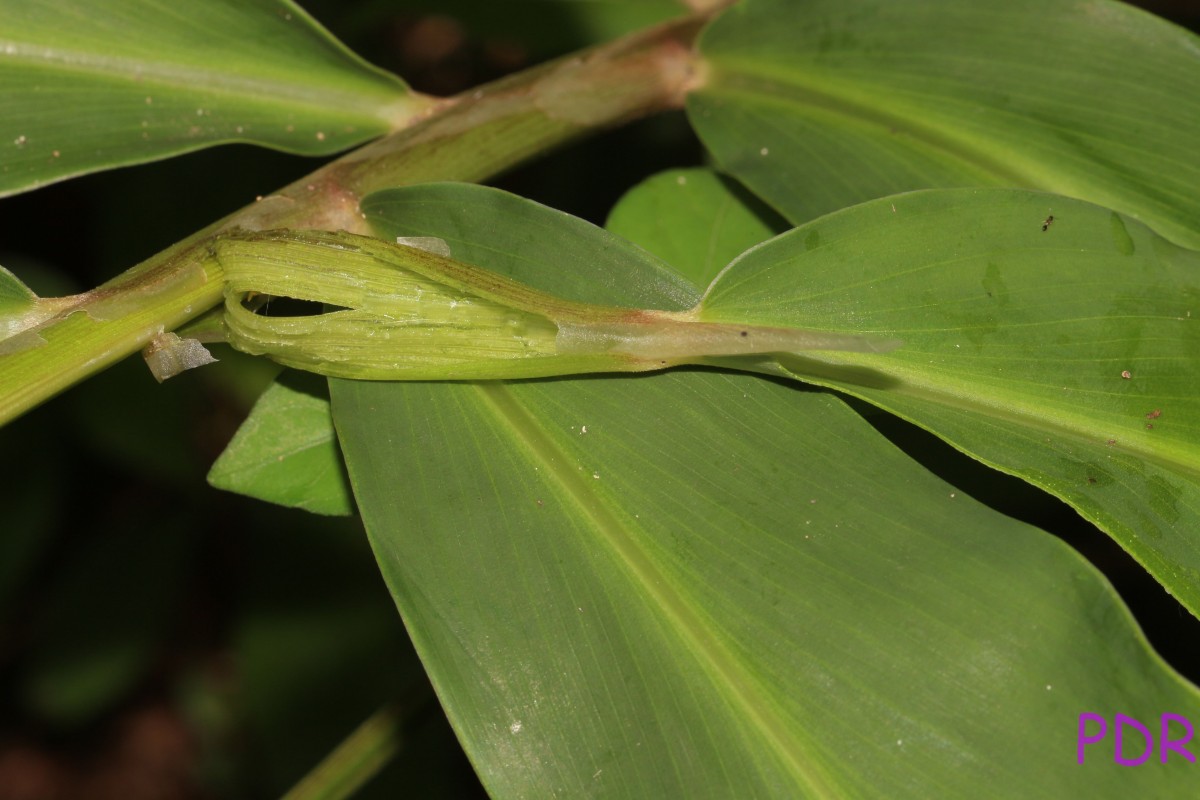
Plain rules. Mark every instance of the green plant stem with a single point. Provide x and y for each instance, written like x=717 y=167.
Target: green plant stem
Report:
x=355 y=761
x=469 y=137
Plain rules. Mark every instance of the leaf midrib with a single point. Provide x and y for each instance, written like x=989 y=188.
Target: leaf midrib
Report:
x=165 y=74
x=717 y=661
x=876 y=113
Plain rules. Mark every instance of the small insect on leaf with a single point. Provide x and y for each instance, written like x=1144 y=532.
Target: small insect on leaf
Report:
x=1047 y=222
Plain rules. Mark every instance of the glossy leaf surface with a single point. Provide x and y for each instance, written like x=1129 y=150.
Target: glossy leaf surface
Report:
x=682 y=585
x=818 y=105
x=1067 y=353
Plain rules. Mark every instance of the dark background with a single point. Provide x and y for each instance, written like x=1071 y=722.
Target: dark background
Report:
x=162 y=639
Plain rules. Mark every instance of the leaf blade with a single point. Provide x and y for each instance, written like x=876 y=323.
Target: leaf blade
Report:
x=622 y=587
x=285 y=451
x=140 y=80
x=824 y=104
x=1012 y=334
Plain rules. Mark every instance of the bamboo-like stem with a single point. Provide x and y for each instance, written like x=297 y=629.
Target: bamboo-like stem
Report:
x=469 y=137
x=355 y=761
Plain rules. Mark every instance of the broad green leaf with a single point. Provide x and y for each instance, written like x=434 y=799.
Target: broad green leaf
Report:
x=285 y=451
x=92 y=85
x=698 y=221
x=1067 y=353
x=619 y=272
x=817 y=105
x=699 y=584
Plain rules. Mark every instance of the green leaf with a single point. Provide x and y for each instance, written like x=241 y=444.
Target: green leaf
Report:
x=1067 y=353
x=91 y=86
x=621 y=273
x=285 y=452
x=683 y=585
x=697 y=220
x=821 y=104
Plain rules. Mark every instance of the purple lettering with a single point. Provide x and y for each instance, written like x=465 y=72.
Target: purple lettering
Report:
x=1167 y=743
x=1083 y=739
x=1120 y=722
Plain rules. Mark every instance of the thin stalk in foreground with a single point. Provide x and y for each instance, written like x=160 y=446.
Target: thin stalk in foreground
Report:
x=355 y=761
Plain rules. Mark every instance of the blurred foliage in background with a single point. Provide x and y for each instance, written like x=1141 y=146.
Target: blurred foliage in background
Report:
x=159 y=638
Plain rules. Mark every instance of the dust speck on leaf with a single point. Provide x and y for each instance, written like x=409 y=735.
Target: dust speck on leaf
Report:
x=320 y=136
x=20 y=140
x=1126 y=374
x=1155 y=414
x=764 y=151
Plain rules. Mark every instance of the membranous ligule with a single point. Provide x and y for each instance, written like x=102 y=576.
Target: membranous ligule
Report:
x=396 y=312
x=390 y=321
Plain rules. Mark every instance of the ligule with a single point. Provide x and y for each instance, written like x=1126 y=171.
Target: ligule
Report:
x=394 y=323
